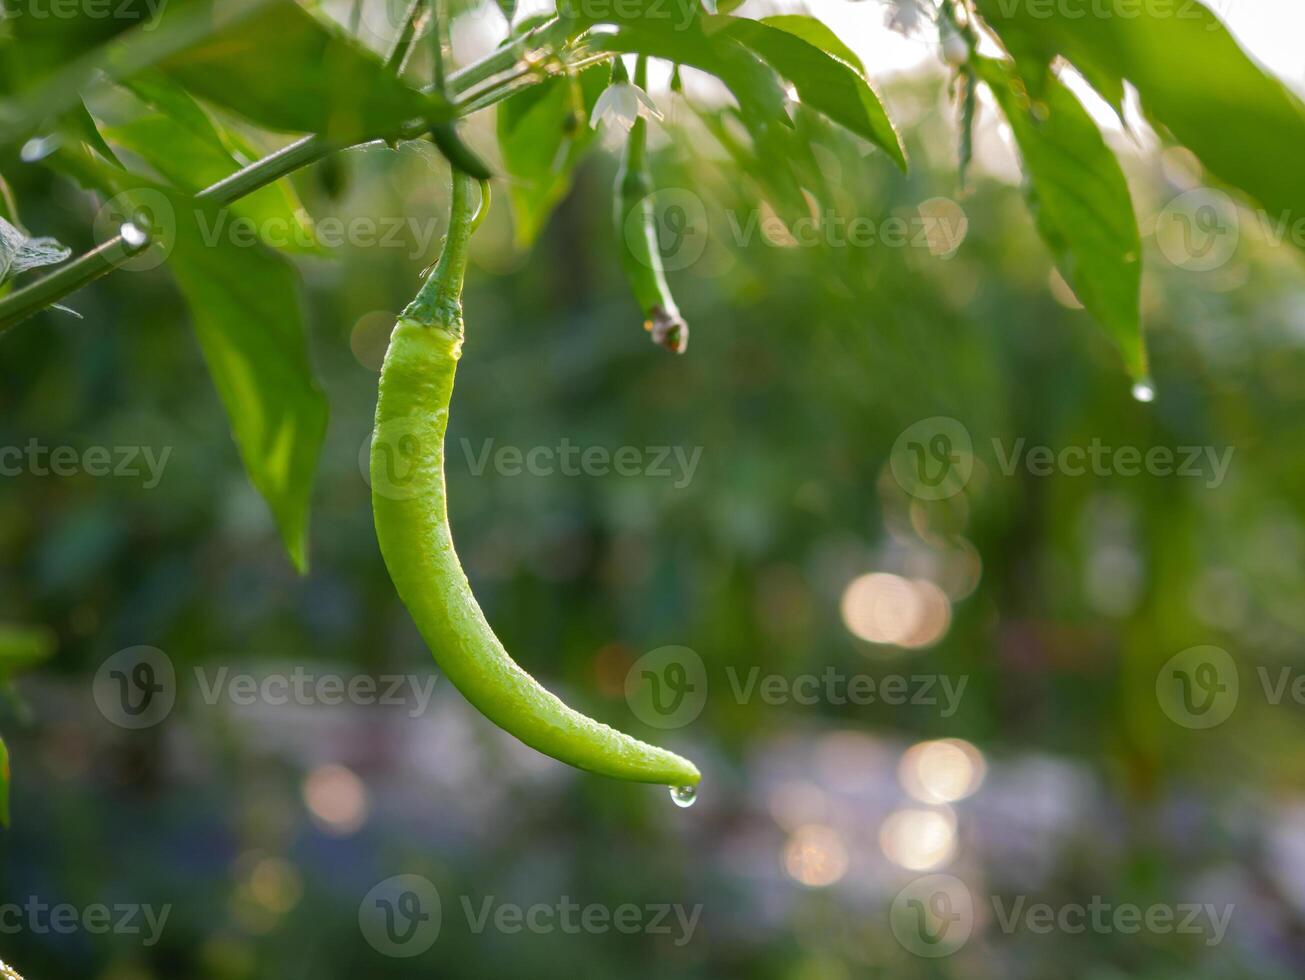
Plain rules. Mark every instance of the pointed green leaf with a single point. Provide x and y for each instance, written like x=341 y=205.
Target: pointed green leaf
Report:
x=245 y=306
x=1193 y=79
x=755 y=87
x=817 y=32
x=287 y=70
x=56 y=59
x=179 y=140
x=1080 y=202
x=827 y=75
x=81 y=125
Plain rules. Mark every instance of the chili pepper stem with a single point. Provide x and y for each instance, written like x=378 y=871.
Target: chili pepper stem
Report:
x=439 y=301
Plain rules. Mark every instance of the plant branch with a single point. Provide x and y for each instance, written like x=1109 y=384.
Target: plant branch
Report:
x=438 y=28
x=85 y=269
x=403 y=46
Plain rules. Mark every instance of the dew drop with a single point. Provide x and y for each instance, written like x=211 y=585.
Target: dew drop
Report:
x=134 y=235
x=1144 y=391
x=684 y=796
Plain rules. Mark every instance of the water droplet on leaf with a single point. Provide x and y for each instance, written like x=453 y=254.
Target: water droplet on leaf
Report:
x=684 y=796
x=1144 y=391
x=134 y=235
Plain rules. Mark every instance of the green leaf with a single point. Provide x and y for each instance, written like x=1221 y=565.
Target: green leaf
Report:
x=1193 y=79
x=824 y=80
x=245 y=306
x=542 y=133
x=815 y=31
x=181 y=142
x=81 y=125
x=55 y=59
x=18 y=253
x=1080 y=202
x=286 y=70
x=755 y=87
x=42 y=44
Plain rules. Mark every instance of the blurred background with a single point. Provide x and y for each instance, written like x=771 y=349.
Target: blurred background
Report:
x=885 y=683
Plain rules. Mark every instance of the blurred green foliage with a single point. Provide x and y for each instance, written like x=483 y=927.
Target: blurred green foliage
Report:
x=807 y=362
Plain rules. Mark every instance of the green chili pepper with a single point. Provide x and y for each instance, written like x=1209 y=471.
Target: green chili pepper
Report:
x=636 y=233
x=412 y=526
